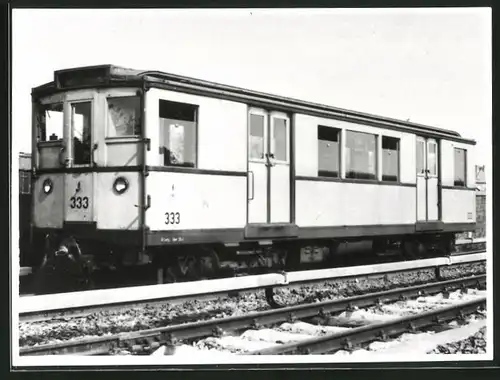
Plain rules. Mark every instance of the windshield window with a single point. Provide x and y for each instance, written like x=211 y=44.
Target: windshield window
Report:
x=81 y=116
x=50 y=122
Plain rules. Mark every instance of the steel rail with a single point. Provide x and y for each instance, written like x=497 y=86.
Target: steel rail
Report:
x=145 y=340
x=64 y=305
x=380 y=331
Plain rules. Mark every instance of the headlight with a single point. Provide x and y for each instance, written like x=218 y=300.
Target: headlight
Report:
x=120 y=185
x=47 y=186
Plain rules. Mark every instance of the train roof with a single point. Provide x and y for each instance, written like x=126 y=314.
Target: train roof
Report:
x=111 y=75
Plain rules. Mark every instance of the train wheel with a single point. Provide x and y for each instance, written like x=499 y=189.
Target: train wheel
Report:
x=292 y=262
x=410 y=249
x=187 y=266
x=63 y=269
x=415 y=249
x=208 y=263
x=204 y=264
x=332 y=260
x=170 y=275
x=181 y=268
x=447 y=245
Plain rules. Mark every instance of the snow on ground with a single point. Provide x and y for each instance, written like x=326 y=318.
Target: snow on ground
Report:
x=426 y=303
x=407 y=344
x=421 y=344
x=361 y=315
x=233 y=344
x=406 y=337
x=412 y=345
x=312 y=330
x=189 y=351
x=480 y=293
x=274 y=336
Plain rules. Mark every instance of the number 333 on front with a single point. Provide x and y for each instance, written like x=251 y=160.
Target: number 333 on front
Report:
x=172 y=218
x=79 y=202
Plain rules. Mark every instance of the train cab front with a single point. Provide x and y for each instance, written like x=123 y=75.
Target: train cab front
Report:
x=87 y=168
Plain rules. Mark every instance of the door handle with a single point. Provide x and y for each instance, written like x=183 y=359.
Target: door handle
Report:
x=250 y=175
x=61 y=162
x=94 y=148
x=270 y=156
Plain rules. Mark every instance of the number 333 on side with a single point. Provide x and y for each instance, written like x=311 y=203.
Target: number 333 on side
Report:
x=172 y=218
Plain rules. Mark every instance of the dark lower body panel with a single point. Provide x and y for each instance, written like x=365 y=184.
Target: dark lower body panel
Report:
x=292 y=232
x=249 y=233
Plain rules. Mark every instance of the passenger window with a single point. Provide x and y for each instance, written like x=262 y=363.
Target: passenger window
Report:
x=460 y=167
x=81 y=115
x=390 y=159
x=361 y=155
x=432 y=158
x=420 y=157
x=124 y=116
x=279 y=139
x=256 y=136
x=50 y=122
x=328 y=151
x=178 y=130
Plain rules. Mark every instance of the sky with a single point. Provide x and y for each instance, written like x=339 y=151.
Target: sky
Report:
x=432 y=66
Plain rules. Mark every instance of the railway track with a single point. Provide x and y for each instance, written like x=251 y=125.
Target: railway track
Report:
x=359 y=336
x=147 y=341
x=66 y=305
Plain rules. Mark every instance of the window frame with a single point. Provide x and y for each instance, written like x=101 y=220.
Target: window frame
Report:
x=375 y=175
x=70 y=107
x=464 y=185
x=398 y=152
x=435 y=173
x=41 y=132
x=324 y=173
x=272 y=141
x=196 y=134
x=258 y=112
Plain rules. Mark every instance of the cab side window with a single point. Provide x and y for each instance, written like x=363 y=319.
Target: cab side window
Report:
x=460 y=165
x=50 y=122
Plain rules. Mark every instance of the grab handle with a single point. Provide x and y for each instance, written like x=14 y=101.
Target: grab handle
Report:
x=250 y=186
x=62 y=162
x=94 y=148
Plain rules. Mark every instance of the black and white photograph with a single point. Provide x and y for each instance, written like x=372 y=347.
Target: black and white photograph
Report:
x=241 y=186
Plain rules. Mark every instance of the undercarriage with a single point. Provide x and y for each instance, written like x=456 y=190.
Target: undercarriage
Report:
x=72 y=264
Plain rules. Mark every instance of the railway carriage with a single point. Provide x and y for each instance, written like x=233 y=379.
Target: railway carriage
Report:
x=195 y=177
